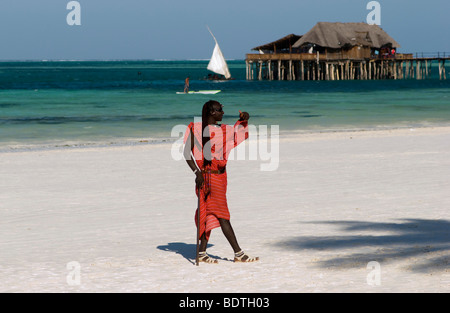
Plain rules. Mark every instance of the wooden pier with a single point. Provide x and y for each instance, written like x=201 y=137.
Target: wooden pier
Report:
x=304 y=66
x=340 y=51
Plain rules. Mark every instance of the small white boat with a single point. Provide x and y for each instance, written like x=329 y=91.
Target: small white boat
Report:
x=203 y=92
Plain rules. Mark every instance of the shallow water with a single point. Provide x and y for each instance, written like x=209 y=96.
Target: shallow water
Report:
x=48 y=103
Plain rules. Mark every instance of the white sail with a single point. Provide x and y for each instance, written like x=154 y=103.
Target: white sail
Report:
x=217 y=64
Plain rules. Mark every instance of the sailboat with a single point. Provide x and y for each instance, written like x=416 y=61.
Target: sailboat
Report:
x=217 y=64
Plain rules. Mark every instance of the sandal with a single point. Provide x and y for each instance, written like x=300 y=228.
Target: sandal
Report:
x=204 y=257
x=241 y=256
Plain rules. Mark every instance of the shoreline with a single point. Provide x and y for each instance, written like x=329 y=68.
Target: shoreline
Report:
x=283 y=135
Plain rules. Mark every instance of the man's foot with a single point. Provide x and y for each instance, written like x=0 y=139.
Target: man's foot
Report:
x=241 y=256
x=204 y=257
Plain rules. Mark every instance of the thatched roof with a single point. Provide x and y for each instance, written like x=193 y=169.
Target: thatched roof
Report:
x=338 y=35
x=280 y=44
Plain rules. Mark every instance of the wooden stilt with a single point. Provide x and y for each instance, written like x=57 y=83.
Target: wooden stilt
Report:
x=418 y=70
x=302 y=70
x=443 y=75
x=246 y=70
x=290 y=70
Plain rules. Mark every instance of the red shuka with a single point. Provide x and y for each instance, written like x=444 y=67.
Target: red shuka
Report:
x=213 y=200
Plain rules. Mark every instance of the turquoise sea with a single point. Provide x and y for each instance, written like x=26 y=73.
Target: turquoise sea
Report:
x=60 y=103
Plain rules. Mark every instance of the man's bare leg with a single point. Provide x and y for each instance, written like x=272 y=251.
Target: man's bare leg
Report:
x=229 y=234
x=239 y=255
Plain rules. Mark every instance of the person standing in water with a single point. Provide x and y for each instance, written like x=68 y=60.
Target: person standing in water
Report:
x=207 y=146
x=186 y=85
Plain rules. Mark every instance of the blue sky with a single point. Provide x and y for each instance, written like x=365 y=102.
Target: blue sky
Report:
x=175 y=29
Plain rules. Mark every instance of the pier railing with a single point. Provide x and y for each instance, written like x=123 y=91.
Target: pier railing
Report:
x=432 y=55
x=416 y=55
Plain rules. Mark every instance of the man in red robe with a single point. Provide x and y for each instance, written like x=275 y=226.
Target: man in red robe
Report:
x=207 y=147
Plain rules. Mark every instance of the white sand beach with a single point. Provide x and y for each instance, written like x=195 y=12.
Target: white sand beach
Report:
x=124 y=217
